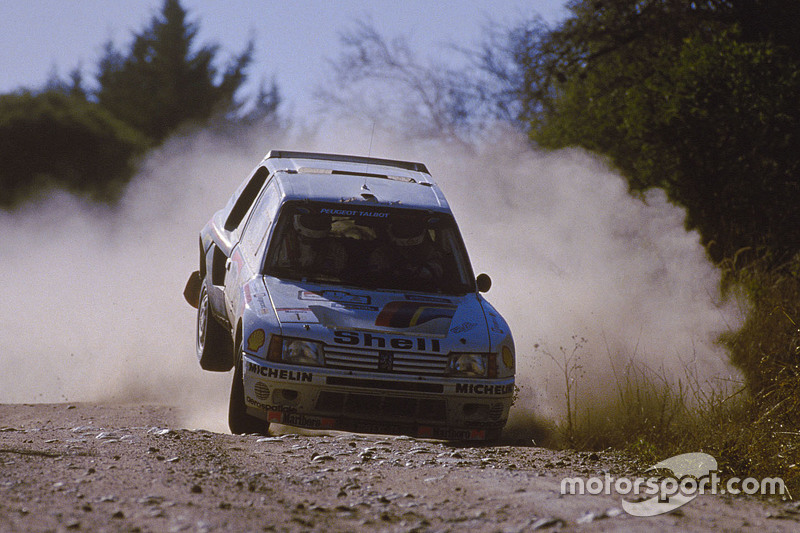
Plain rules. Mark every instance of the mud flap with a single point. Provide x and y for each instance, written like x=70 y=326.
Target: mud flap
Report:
x=192 y=290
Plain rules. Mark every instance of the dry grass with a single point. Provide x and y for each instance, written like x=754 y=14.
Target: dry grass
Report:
x=752 y=428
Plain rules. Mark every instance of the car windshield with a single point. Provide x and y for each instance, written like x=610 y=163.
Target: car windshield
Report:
x=370 y=247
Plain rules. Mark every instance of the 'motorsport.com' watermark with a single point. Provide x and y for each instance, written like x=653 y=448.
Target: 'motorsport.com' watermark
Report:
x=692 y=474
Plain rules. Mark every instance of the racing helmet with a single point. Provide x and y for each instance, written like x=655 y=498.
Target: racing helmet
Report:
x=408 y=233
x=312 y=225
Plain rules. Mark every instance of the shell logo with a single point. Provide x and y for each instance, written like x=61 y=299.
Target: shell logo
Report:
x=256 y=340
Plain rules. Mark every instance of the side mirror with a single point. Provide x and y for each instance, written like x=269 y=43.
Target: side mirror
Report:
x=484 y=282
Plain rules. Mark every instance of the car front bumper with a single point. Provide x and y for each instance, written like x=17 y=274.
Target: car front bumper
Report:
x=371 y=402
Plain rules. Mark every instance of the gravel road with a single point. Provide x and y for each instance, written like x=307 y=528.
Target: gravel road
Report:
x=90 y=467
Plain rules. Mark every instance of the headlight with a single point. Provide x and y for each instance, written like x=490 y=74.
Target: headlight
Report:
x=299 y=352
x=295 y=351
x=506 y=369
x=468 y=364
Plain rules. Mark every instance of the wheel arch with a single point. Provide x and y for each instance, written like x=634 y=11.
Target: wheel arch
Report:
x=202 y=260
x=237 y=340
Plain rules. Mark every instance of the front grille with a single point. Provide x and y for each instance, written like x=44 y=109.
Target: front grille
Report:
x=436 y=388
x=385 y=361
x=376 y=407
x=496 y=411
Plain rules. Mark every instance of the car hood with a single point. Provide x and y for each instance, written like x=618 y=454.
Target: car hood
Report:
x=304 y=305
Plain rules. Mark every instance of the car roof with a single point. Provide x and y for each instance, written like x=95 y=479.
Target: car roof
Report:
x=345 y=178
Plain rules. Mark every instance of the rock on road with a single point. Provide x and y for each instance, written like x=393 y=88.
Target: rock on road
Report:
x=91 y=467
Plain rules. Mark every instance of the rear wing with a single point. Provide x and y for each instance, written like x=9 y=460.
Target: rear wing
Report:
x=407 y=165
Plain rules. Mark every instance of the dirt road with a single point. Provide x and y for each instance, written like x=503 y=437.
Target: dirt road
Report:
x=86 y=467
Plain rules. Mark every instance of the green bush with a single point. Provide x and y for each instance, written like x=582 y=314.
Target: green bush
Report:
x=54 y=139
x=767 y=347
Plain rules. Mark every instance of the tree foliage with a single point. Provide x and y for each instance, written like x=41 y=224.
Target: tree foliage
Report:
x=162 y=83
x=56 y=139
x=87 y=141
x=696 y=97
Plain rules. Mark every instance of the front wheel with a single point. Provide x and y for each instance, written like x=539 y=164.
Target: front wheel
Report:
x=239 y=421
x=214 y=344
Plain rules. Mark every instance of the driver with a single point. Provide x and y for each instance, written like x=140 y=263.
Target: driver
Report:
x=411 y=258
x=316 y=252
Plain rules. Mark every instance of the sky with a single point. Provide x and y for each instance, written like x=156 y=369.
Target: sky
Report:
x=294 y=40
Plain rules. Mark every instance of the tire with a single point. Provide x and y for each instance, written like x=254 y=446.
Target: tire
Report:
x=213 y=342
x=239 y=422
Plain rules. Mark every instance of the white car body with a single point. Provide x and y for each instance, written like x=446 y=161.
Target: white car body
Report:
x=348 y=351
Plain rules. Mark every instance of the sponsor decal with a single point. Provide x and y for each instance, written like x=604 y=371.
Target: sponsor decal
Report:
x=236 y=261
x=280 y=373
x=300 y=420
x=371 y=340
x=247 y=295
x=433 y=299
x=463 y=328
x=354 y=307
x=421 y=318
x=256 y=340
x=341 y=297
x=478 y=388
x=400 y=314
x=255 y=297
x=267 y=407
x=296 y=315
x=353 y=213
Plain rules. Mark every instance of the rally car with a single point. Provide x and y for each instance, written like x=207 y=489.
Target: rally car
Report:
x=339 y=290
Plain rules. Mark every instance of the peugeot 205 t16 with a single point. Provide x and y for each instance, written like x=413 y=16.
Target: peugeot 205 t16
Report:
x=339 y=290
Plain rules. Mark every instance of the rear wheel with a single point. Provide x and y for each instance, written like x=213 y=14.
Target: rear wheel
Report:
x=214 y=344
x=238 y=420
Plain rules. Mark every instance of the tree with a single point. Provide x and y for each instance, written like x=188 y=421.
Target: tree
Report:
x=65 y=135
x=57 y=139
x=74 y=86
x=731 y=128
x=162 y=82
x=692 y=97
x=383 y=82
x=264 y=109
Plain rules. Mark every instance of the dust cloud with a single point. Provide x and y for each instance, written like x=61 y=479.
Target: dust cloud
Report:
x=93 y=296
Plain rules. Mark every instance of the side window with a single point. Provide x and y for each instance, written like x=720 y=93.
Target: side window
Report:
x=254 y=238
x=246 y=199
